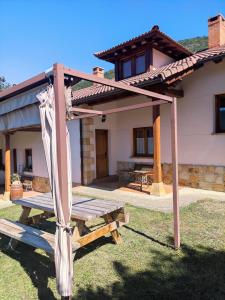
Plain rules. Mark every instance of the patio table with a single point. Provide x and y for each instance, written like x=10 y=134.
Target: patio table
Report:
x=142 y=177
x=83 y=210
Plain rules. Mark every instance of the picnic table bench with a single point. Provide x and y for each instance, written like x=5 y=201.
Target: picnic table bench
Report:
x=83 y=210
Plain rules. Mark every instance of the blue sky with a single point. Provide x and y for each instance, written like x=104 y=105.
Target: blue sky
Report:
x=37 y=33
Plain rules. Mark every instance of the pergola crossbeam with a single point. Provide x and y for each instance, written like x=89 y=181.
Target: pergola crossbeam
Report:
x=116 y=84
x=93 y=113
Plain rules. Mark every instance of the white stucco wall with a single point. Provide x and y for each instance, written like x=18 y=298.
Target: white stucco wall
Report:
x=196 y=142
x=32 y=140
x=160 y=59
x=120 y=130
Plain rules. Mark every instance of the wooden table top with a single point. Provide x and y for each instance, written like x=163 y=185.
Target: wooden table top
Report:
x=142 y=172
x=83 y=208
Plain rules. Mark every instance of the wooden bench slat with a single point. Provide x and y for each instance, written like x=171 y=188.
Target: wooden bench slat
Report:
x=29 y=235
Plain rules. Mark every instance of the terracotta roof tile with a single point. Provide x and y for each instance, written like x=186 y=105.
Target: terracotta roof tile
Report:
x=171 y=71
x=149 y=34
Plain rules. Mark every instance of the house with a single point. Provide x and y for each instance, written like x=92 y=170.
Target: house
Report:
x=156 y=62
x=115 y=143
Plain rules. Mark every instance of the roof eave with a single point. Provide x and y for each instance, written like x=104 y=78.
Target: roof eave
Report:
x=94 y=98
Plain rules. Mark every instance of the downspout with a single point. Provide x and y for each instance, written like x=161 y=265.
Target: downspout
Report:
x=81 y=152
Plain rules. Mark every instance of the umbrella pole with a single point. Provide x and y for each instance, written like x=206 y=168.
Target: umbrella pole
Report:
x=60 y=120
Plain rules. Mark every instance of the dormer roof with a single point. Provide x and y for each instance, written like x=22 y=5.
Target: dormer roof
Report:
x=167 y=74
x=155 y=37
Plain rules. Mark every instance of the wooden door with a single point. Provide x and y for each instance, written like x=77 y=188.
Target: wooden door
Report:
x=101 y=139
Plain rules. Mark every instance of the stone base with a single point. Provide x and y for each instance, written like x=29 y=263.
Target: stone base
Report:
x=157 y=189
x=6 y=196
x=197 y=176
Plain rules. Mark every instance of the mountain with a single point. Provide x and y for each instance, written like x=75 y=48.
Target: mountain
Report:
x=83 y=83
x=193 y=44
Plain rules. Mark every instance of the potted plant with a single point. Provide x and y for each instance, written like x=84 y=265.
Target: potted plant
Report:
x=16 y=188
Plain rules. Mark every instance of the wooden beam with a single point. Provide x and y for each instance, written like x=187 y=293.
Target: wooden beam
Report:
x=7 y=163
x=60 y=113
x=119 y=109
x=87 y=111
x=96 y=234
x=27 y=84
x=116 y=84
x=157 y=145
x=176 y=211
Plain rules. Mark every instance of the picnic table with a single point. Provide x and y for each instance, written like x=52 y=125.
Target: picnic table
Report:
x=83 y=210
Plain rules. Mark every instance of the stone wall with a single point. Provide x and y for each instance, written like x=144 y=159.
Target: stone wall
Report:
x=41 y=184
x=123 y=169
x=88 y=141
x=197 y=176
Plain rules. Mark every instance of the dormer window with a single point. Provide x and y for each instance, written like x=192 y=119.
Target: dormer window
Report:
x=139 y=54
x=133 y=66
x=127 y=68
x=140 y=64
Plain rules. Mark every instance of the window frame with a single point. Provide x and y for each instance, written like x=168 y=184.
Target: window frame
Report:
x=145 y=130
x=133 y=58
x=131 y=63
x=135 y=62
x=27 y=152
x=217 y=113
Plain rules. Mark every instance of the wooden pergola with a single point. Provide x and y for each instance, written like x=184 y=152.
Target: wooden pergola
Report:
x=62 y=76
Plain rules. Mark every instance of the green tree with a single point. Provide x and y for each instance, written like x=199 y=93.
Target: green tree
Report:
x=3 y=83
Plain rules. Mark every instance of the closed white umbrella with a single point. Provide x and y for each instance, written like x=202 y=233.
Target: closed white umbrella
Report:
x=63 y=247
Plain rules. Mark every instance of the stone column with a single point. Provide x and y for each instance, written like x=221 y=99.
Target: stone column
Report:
x=88 y=141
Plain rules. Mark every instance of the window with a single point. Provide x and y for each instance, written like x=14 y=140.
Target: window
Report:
x=127 y=68
x=133 y=66
x=140 y=64
x=220 y=113
x=28 y=160
x=143 y=142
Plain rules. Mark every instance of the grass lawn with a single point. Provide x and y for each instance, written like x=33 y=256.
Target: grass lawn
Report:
x=143 y=267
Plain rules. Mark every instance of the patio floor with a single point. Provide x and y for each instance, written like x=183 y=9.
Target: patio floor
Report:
x=115 y=191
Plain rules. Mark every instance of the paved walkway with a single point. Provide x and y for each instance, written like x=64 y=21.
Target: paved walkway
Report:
x=164 y=203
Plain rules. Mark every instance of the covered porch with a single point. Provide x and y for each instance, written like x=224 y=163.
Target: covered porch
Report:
x=127 y=144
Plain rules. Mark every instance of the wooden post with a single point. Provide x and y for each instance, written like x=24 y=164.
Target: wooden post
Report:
x=157 y=146
x=157 y=186
x=7 y=167
x=60 y=119
x=176 y=212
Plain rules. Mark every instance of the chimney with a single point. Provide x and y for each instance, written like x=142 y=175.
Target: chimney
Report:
x=216 y=31
x=99 y=72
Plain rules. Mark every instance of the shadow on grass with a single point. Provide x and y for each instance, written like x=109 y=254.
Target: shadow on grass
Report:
x=37 y=266
x=189 y=274
x=168 y=245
